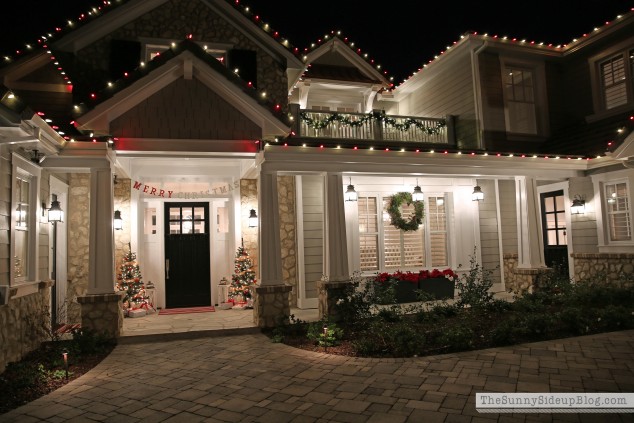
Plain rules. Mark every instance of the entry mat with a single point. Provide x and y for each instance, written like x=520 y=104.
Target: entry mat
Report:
x=165 y=311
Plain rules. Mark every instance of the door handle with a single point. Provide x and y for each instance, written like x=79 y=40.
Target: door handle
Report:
x=167 y=268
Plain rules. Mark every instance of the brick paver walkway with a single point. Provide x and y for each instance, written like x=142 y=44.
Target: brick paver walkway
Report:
x=246 y=378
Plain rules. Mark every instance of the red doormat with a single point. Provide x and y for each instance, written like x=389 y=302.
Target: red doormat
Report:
x=165 y=311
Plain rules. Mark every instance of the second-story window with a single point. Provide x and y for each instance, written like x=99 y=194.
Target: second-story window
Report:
x=613 y=82
x=519 y=97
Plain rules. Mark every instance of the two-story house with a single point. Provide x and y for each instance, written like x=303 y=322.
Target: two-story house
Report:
x=185 y=118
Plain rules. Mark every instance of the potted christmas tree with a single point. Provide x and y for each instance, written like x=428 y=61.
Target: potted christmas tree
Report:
x=135 y=302
x=242 y=280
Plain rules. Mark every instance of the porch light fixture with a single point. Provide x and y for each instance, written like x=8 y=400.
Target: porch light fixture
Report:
x=55 y=212
x=118 y=221
x=417 y=195
x=350 y=194
x=477 y=194
x=253 y=219
x=578 y=205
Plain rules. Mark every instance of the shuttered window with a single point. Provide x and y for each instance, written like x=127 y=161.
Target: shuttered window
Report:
x=614 y=82
x=368 y=233
x=618 y=212
x=425 y=247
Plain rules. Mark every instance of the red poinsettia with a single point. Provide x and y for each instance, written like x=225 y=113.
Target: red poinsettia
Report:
x=412 y=277
x=436 y=273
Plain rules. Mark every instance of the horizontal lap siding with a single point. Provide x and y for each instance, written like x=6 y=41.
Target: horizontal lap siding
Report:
x=489 y=236
x=584 y=226
x=508 y=217
x=451 y=94
x=313 y=232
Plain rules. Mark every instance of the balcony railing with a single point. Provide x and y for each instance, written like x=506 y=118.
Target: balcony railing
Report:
x=375 y=125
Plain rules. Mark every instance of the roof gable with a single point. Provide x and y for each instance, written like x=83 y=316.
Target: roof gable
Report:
x=336 y=59
x=187 y=62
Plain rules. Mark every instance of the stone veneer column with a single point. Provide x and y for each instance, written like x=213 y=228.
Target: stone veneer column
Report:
x=288 y=227
x=122 y=197
x=271 y=305
x=337 y=276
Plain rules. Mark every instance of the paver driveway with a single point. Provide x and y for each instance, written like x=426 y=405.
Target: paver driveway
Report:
x=247 y=378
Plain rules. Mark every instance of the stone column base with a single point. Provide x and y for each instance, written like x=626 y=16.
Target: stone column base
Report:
x=271 y=306
x=102 y=313
x=329 y=293
x=527 y=280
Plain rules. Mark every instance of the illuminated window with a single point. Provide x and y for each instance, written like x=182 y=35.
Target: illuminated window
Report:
x=384 y=247
x=24 y=223
x=618 y=211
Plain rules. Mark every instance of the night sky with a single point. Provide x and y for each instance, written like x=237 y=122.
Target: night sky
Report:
x=401 y=36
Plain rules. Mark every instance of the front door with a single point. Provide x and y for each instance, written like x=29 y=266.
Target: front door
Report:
x=554 y=230
x=187 y=274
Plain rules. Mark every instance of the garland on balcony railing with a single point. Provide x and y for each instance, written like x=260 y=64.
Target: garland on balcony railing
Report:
x=378 y=116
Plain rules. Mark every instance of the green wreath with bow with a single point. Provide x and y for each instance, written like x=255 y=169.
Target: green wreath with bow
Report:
x=394 y=210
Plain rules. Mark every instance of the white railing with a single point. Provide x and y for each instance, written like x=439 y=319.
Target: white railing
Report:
x=372 y=126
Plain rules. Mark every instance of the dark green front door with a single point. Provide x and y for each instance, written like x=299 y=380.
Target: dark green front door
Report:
x=187 y=274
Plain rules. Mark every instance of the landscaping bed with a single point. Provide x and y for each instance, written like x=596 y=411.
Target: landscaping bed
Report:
x=370 y=322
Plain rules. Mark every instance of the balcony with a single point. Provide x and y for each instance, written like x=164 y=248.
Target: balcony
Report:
x=373 y=126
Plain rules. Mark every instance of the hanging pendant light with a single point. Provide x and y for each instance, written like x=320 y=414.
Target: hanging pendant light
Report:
x=417 y=195
x=350 y=194
x=477 y=194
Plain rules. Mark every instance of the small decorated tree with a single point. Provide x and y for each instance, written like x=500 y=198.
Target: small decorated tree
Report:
x=130 y=281
x=242 y=279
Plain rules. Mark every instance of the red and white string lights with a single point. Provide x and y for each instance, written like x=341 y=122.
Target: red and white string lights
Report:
x=96 y=11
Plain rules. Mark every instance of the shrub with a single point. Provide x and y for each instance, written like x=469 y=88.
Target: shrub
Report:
x=474 y=286
x=457 y=338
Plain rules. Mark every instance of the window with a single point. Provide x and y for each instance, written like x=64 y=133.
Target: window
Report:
x=519 y=97
x=382 y=247
x=618 y=211
x=24 y=223
x=614 y=78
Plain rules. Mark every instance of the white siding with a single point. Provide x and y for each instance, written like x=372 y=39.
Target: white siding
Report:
x=313 y=231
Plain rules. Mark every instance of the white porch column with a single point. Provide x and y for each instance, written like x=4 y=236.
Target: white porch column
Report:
x=336 y=243
x=270 y=254
x=529 y=235
x=101 y=278
x=336 y=254
x=271 y=306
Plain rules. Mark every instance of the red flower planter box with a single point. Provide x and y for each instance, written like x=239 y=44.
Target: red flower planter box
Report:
x=439 y=288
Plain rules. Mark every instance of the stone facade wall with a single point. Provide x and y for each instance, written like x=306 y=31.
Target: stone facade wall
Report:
x=102 y=313
x=611 y=268
x=122 y=190
x=78 y=242
x=288 y=233
x=519 y=281
x=173 y=21
x=24 y=325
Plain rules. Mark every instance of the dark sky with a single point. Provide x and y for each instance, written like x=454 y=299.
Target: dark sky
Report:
x=401 y=36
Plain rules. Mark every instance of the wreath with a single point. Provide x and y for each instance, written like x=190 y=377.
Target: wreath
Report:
x=394 y=210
